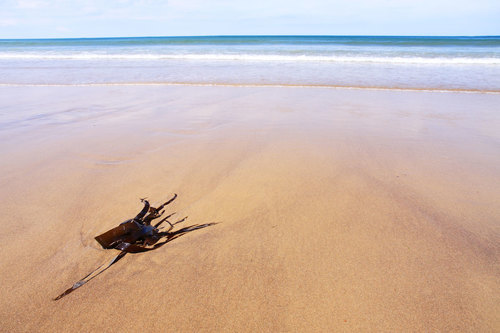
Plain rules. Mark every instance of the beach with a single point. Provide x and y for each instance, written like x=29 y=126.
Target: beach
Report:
x=337 y=209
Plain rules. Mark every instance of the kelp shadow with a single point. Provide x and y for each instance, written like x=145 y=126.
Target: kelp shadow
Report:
x=137 y=235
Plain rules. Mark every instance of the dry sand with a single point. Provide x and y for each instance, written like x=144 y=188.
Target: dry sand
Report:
x=339 y=210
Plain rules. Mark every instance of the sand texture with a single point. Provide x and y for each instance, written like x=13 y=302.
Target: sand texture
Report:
x=339 y=210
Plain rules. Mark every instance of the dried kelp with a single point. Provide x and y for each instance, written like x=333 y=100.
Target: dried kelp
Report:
x=137 y=235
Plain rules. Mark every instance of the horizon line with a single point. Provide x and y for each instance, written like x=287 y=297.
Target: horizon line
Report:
x=245 y=35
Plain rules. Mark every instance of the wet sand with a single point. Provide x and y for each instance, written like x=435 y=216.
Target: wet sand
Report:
x=338 y=209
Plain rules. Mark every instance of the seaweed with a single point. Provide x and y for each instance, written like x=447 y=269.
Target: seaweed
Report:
x=137 y=235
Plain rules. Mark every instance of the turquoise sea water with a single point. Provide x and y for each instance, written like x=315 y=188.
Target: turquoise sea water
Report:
x=438 y=63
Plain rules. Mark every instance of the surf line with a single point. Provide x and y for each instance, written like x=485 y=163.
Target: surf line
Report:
x=251 y=85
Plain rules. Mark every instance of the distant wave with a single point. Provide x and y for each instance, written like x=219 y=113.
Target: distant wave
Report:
x=255 y=58
x=358 y=41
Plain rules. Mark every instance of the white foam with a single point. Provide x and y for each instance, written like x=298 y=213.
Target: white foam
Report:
x=255 y=58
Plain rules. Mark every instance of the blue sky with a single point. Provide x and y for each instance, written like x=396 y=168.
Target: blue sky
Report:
x=113 y=18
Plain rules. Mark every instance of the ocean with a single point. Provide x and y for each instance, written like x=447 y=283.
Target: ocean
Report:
x=380 y=62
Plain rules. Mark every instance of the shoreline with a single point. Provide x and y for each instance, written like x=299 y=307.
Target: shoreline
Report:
x=249 y=85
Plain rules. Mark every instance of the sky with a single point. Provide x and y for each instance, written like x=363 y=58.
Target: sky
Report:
x=130 y=18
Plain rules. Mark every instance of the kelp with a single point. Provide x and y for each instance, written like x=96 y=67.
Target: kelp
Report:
x=136 y=235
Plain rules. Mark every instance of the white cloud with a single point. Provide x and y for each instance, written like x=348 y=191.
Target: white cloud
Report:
x=31 y=4
x=8 y=22
x=62 y=29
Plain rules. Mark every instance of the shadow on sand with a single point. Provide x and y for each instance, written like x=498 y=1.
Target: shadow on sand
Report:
x=137 y=235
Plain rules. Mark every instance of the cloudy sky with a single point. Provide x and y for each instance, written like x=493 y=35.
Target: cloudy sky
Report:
x=114 y=18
